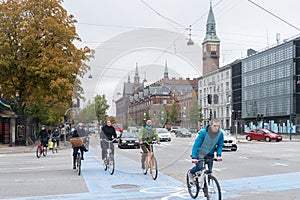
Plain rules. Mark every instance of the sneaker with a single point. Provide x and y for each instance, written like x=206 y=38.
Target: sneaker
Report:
x=191 y=178
x=144 y=170
x=74 y=167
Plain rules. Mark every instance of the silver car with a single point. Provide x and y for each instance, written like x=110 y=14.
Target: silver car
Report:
x=163 y=134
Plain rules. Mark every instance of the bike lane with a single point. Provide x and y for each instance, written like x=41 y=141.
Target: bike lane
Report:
x=128 y=182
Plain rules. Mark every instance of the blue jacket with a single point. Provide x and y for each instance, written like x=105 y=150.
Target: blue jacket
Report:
x=205 y=145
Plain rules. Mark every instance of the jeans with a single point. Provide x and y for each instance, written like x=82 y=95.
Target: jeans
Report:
x=198 y=166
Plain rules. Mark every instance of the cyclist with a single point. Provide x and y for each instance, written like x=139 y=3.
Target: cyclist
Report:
x=209 y=141
x=75 y=149
x=43 y=134
x=146 y=136
x=56 y=136
x=108 y=132
x=82 y=133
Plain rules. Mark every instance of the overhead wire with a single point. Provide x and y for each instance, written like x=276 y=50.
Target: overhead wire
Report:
x=264 y=9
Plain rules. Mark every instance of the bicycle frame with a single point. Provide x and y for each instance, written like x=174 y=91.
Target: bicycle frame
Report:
x=109 y=163
x=205 y=181
x=151 y=162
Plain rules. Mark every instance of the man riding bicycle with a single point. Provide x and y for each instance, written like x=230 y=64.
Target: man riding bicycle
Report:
x=147 y=135
x=43 y=134
x=209 y=141
x=56 y=136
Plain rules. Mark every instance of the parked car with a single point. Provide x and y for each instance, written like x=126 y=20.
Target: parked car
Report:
x=263 y=134
x=128 y=140
x=163 y=134
x=229 y=141
x=193 y=130
x=174 y=129
x=183 y=132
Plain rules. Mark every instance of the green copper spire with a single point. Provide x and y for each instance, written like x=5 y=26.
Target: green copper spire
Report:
x=211 y=34
x=136 y=70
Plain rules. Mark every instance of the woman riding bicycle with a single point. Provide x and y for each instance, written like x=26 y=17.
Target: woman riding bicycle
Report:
x=56 y=136
x=76 y=148
x=108 y=132
x=209 y=141
x=147 y=135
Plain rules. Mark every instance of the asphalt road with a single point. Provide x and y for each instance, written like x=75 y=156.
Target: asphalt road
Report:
x=258 y=170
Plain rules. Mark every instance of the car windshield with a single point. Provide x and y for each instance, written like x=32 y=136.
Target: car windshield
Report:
x=162 y=131
x=129 y=135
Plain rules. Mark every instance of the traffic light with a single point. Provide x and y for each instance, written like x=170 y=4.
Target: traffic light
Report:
x=209 y=98
x=210 y=114
x=234 y=115
x=239 y=114
x=293 y=117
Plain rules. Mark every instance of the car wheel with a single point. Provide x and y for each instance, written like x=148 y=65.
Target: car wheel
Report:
x=234 y=148
x=267 y=139
x=248 y=138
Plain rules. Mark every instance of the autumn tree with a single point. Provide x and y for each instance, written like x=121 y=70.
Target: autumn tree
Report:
x=39 y=64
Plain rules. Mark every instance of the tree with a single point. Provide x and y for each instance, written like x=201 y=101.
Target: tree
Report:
x=39 y=64
x=87 y=114
x=173 y=113
x=101 y=107
x=195 y=114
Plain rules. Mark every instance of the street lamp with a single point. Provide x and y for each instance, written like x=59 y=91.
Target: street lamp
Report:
x=190 y=42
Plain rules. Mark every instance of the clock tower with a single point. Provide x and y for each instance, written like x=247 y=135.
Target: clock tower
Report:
x=210 y=45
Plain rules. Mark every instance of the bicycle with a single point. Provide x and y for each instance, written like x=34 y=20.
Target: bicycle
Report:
x=151 y=162
x=109 y=160
x=78 y=163
x=205 y=181
x=40 y=149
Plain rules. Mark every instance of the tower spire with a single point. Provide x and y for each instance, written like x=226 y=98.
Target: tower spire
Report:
x=166 y=73
x=211 y=34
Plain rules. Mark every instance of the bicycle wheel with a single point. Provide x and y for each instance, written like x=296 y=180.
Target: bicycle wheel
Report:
x=146 y=164
x=105 y=163
x=193 y=186
x=153 y=167
x=78 y=160
x=212 y=189
x=111 y=165
x=45 y=151
x=38 y=151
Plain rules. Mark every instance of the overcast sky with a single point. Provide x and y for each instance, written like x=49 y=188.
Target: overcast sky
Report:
x=240 y=25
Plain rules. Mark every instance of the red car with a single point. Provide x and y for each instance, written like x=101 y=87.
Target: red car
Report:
x=118 y=127
x=263 y=134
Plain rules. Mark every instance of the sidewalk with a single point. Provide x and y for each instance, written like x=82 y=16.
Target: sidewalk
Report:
x=6 y=149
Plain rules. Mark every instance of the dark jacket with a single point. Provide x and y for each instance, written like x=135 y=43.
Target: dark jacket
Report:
x=108 y=132
x=43 y=134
